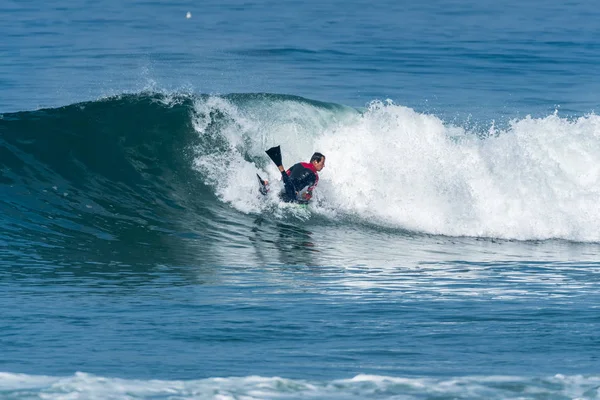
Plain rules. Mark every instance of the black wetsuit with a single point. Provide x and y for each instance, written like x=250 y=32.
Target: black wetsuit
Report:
x=299 y=182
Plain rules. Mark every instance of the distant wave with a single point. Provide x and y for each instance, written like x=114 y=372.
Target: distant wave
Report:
x=81 y=385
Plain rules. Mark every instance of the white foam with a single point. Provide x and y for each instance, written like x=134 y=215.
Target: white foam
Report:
x=86 y=386
x=392 y=166
x=247 y=132
x=536 y=180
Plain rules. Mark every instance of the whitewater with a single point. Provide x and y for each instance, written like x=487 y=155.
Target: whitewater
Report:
x=359 y=387
x=535 y=179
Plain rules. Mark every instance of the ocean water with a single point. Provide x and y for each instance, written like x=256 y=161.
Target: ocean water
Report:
x=451 y=251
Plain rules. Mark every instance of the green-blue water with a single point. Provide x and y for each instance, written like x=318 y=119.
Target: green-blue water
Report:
x=451 y=250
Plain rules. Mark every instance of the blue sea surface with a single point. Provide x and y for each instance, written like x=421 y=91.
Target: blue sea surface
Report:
x=451 y=250
x=481 y=58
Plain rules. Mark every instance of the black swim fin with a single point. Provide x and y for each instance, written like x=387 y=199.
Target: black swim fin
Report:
x=263 y=188
x=275 y=154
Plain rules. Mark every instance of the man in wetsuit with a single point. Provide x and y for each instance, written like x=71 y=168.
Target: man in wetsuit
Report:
x=301 y=179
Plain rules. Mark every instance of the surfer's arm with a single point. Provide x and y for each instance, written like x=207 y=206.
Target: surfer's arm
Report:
x=307 y=182
x=306 y=196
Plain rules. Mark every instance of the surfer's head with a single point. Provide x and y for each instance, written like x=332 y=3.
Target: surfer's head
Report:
x=318 y=160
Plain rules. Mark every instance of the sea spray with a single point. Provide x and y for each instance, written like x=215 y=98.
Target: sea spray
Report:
x=393 y=166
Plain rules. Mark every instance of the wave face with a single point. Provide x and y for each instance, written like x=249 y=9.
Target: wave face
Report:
x=81 y=385
x=96 y=169
x=174 y=163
